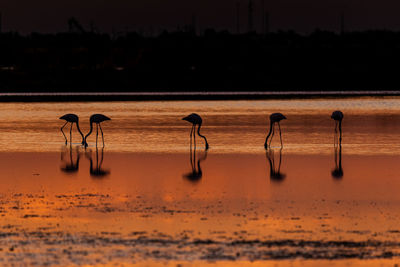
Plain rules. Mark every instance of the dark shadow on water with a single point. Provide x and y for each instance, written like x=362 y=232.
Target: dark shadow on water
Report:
x=68 y=164
x=275 y=174
x=97 y=171
x=337 y=172
x=196 y=174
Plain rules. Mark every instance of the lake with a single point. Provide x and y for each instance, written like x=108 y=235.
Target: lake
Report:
x=147 y=198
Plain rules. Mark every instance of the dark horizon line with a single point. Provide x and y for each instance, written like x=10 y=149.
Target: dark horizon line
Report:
x=202 y=32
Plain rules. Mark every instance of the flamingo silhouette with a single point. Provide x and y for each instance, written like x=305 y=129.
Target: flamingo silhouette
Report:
x=71 y=118
x=195 y=119
x=338 y=117
x=96 y=118
x=274 y=118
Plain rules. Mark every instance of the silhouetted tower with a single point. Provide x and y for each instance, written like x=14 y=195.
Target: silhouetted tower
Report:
x=342 y=26
x=237 y=17
x=250 y=15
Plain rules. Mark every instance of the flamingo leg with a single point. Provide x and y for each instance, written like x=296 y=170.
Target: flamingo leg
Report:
x=70 y=133
x=194 y=136
x=335 y=136
x=280 y=133
x=191 y=152
x=64 y=133
x=97 y=133
x=191 y=135
x=102 y=135
x=97 y=159
x=273 y=133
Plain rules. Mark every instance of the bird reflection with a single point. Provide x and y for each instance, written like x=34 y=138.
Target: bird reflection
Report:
x=275 y=171
x=196 y=174
x=97 y=171
x=69 y=166
x=337 y=173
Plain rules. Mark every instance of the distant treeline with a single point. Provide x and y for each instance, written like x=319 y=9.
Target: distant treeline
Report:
x=214 y=61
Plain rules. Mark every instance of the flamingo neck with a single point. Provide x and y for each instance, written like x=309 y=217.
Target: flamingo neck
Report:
x=199 y=134
x=79 y=130
x=90 y=131
x=270 y=131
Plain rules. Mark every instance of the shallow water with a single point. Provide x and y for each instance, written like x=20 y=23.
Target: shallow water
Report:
x=146 y=198
x=371 y=125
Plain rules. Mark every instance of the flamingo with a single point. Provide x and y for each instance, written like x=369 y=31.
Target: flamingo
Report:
x=71 y=118
x=96 y=118
x=195 y=119
x=274 y=118
x=338 y=117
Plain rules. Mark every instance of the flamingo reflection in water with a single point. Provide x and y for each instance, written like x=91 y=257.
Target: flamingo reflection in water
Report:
x=337 y=172
x=97 y=171
x=70 y=166
x=275 y=171
x=196 y=174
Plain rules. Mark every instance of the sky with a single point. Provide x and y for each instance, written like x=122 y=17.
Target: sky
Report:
x=26 y=16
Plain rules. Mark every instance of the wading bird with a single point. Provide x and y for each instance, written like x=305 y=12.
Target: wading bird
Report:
x=338 y=117
x=96 y=118
x=195 y=119
x=274 y=118
x=71 y=118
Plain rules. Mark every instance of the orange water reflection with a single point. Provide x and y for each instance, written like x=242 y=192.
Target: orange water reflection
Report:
x=146 y=193
x=365 y=198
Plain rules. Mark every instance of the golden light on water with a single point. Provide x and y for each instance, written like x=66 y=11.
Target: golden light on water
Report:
x=137 y=202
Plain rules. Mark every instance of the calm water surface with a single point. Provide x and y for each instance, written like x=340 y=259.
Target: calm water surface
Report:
x=147 y=199
x=371 y=125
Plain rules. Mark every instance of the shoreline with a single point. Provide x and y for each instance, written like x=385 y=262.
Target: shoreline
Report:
x=183 y=96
